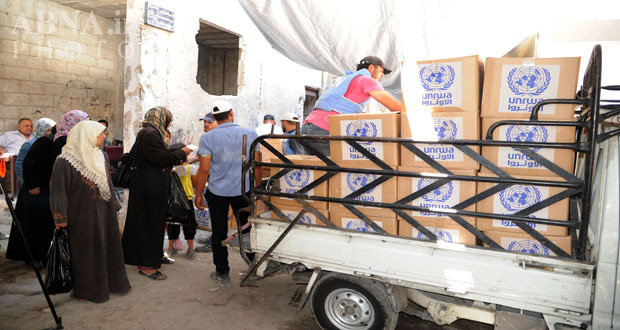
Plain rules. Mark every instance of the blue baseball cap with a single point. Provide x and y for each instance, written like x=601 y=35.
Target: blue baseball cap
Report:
x=208 y=117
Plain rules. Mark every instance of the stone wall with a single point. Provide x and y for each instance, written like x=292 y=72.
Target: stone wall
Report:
x=54 y=59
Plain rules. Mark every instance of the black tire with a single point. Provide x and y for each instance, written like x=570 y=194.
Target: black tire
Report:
x=342 y=302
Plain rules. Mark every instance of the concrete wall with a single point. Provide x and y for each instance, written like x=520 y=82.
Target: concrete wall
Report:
x=54 y=59
x=163 y=69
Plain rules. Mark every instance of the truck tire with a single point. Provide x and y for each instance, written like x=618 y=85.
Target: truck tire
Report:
x=346 y=302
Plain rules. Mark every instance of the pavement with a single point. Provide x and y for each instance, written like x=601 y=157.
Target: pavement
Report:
x=188 y=299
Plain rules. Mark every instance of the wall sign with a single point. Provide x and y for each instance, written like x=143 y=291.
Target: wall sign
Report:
x=158 y=17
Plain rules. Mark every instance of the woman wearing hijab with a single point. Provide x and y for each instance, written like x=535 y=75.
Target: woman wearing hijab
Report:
x=33 y=207
x=82 y=199
x=42 y=128
x=152 y=160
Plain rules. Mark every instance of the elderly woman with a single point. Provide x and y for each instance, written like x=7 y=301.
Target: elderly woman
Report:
x=82 y=199
x=152 y=160
x=42 y=128
x=33 y=207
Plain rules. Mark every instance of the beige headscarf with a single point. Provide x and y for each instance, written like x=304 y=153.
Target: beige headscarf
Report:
x=82 y=153
x=159 y=117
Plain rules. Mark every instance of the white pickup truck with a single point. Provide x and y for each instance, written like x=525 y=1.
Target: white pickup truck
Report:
x=359 y=280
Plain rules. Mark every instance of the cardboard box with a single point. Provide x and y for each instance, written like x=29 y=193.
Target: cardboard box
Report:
x=516 y=198
x=449 y=126
x=349 y=221
x=444 y=197
x=512 y=86
x=364 y=125
x=451 y=84
x=292 y=211
x=267 y=156
x=297 y=179
x=527 y=244
x=446 y=230
x=515 y=162
x=343 y=184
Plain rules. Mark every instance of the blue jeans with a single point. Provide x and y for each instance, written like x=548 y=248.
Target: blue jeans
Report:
x=321 y=146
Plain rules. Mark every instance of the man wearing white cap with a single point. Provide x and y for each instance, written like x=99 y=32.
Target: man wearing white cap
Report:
x=289 y=126
x=220 y=152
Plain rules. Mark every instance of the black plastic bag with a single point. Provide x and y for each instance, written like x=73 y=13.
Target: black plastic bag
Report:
x=59 y=277
x=122 y=176
x=178 y=204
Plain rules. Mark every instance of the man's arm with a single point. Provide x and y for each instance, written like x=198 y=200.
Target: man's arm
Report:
x=201 y=179
x=387 y=100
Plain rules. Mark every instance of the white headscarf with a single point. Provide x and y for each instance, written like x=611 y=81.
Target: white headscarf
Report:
x=42 y=125
x=82 y=153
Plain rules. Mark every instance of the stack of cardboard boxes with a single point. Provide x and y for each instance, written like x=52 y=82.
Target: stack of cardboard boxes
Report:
x=452 y=90
x=343 y=154
x=512 y=86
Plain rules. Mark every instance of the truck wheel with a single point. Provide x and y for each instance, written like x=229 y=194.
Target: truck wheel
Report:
x=346 y=302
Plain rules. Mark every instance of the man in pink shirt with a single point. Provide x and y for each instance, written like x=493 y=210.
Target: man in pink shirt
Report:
x=348 y=95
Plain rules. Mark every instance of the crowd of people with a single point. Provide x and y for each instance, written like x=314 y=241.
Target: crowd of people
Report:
x=66 y=182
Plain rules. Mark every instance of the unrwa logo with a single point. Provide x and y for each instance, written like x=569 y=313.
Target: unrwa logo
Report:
x=446 y=129
x=519 y=133
x=528 y=246
x=297 y=178
x=358 y=225
x=440 y=194
x=355 y=181
x=518 y=197
x=304 y=218
x=440 y=233
x=437 y=77
x=363 y=128
x=529 y=80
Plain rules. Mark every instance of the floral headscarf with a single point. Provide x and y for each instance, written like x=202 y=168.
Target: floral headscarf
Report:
x=67 y=122
x=42 y=125
x=160 y=118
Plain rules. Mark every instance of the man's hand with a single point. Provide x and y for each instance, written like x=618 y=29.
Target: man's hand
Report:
x=34 y=191
x=198 y=201
x=2 y=150
x=61 y=225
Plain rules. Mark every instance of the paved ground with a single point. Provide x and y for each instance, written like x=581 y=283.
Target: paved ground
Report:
x=186 y=300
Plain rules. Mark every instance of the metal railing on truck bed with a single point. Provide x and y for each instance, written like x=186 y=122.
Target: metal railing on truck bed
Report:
x=576 y=188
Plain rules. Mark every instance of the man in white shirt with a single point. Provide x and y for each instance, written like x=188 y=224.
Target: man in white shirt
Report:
x=269 y=121
x=11 y=141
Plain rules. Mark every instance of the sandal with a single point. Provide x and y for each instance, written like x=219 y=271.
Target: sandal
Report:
x=157 y=276
x=167 y=261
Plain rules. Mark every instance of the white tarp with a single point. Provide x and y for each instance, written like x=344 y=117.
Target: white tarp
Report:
x=333 y=35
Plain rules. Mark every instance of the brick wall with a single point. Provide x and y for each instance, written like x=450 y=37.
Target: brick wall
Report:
x=54 y=59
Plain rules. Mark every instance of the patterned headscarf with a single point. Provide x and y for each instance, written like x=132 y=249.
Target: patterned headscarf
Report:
x=160 y=118
x=82 y=152
x=67 y=122
x=42 y=125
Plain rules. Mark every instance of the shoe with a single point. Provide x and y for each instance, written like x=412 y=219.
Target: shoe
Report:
x=204 y=249
x=204 y=241
x=172 y=252
x=157 y=276
x=167 y=261
x=3 y=236
x=222 y=279
x=190 y=255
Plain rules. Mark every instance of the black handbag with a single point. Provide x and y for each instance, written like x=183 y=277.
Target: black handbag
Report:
x=121 y=178
x=179 y=207
x=58 y=278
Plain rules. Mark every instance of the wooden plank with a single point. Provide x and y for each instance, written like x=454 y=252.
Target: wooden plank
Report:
x=231 y=65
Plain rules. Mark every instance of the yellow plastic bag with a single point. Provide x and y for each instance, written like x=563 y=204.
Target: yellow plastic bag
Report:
x=186 y=182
